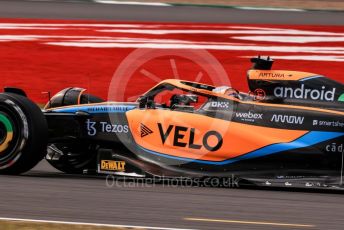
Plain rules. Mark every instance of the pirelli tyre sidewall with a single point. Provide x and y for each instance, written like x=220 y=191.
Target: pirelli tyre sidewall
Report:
x=23 y=134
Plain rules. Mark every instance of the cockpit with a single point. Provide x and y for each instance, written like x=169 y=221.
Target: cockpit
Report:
x=190 y=97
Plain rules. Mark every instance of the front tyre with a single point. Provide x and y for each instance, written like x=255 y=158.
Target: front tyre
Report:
x=23 y=134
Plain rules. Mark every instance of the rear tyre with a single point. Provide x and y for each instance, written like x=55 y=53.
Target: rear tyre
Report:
x=23 y=134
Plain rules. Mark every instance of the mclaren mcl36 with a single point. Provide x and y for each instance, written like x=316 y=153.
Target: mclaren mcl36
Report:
x=289 y=131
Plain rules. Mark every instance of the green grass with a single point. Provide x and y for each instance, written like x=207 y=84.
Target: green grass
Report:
x=23 y=225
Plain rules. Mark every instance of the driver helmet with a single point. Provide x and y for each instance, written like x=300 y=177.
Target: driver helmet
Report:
x=226 y=90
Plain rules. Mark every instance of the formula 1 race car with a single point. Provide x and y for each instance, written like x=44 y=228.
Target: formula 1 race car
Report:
x=289 y=131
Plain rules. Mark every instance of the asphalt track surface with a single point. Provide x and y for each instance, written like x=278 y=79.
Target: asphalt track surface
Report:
x=63 y=9
x=47 y=194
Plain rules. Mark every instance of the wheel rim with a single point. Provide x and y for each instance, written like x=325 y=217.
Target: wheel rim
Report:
x=14 y=133
x=6 y=133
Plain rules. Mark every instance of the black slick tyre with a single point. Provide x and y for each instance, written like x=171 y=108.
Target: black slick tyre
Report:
x=23 y=134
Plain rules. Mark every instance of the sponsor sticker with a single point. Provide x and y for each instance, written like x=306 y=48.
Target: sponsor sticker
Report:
x=259 y=94
x=211 y=140
x=341 y=98
x=94 y=127
x=220 y=104
x=108 y=109
x=285 y=119
x=302 y=92
x=144 y=130
x=328 y=123
x=335 y=148
x=110 y=165
x=251 y=117
x=274 y=75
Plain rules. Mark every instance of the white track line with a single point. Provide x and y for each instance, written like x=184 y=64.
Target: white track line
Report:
x=292 y=39
x=268 y=8
x=286 y=49
x=132 y=3
x=221 y=31
x=252 y=222
x=87 y=224
x=330 y=58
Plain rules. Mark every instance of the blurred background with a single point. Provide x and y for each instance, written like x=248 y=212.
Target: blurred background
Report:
x=48 y=45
